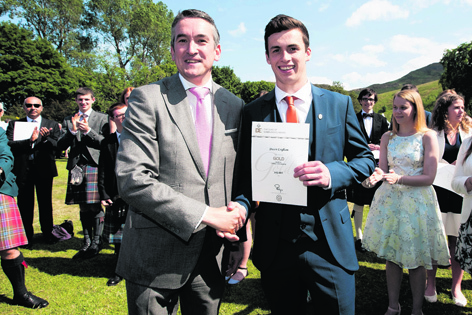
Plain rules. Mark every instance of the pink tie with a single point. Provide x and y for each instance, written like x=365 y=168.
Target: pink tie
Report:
x=202 y=126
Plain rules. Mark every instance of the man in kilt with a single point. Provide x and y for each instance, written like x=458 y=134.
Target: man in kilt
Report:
x=84 y=132
x=12 y=233
x=116 y=208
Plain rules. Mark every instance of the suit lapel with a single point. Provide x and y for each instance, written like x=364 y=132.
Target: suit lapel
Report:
x=176 y=101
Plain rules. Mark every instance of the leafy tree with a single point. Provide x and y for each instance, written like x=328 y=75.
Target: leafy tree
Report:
x=57 y=21
x=226 y=77
x=31 y=67
x=457 y=72
x=250 y=90
x=133 y=28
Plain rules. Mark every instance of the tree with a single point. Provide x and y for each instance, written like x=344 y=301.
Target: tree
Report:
x=226 y=77
x=57 y=21
x=138 y=28
x=251 y=90
x=31 y=67
x=457 y=72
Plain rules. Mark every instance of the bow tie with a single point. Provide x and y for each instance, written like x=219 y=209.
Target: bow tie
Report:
x=364 y=115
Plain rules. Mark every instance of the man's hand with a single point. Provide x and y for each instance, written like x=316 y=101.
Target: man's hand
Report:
x=373 y=147
x=313 y=173
x=83 y=125
x=45 y=132
x=106 y=202
x=226 y=220
x=75 y=119
x=35 y=134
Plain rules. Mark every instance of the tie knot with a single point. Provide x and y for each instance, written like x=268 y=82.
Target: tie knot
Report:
x=365 y=115
x=200 y=92
x=290 y=99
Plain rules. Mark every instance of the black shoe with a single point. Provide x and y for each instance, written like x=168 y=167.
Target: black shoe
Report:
x=30 y=301
x=359 y=247
x=114 y=281
x=81 y=253
x=92 y=251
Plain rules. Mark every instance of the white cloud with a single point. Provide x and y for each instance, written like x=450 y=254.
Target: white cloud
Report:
x=355 y=80
x=323 y=7
x=366 y=60
x=320 y=80
x=377 y=10
x=239 y=31
x=374 y=49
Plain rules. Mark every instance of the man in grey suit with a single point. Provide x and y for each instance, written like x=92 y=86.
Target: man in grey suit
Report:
x=175 y=170
x=84 y=131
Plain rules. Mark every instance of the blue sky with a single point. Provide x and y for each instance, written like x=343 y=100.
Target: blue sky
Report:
x=355 y=42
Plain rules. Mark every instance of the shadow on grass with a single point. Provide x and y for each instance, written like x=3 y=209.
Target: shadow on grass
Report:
x=74 y=243
x=247 y=294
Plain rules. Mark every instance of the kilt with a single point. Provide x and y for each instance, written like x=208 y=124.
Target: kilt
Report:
x=87 y=191
x=12 y=232
x=115 y=218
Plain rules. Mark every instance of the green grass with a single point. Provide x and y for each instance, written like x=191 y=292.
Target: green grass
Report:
x=73 y=287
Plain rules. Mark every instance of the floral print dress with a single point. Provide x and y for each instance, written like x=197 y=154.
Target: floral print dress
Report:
x=404 y=222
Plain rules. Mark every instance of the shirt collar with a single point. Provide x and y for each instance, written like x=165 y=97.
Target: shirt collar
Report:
x=87 y=112
x=37 y=119
x=303 y=94
x=187 y=84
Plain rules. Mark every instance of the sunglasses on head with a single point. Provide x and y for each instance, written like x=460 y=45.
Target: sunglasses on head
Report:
x=28 y=105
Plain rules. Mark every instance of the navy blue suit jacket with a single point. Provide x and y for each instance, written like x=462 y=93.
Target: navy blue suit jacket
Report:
x=334 y=135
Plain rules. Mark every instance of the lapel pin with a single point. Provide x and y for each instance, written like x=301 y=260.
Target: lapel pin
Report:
x=320 y=116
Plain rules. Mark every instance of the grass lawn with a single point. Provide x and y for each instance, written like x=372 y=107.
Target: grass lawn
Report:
x=73 y=287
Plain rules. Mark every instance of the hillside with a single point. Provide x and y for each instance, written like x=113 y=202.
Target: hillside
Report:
x=423 y=75
x=428 y=91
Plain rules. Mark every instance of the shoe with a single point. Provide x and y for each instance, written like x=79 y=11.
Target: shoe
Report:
x=431 y=298
x=92 y=251
x=114 y=281
x=30 y=301
x=81 y=253
x=458 y=301
x=359 y=247
x=236 y=278
x=391 y=311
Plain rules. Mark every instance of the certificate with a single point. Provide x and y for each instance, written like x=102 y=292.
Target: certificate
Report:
x=277 y=148
x=23 y=130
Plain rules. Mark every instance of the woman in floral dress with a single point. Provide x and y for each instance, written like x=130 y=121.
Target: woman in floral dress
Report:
x=404 y=224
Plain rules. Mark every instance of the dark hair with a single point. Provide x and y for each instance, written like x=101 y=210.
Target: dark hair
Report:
x=118 y=105
x=409 y=86
x=367 y=92
x=192 y=13
x=84 y=91
x=282 y=23
x=439 y=119
x=122 y=97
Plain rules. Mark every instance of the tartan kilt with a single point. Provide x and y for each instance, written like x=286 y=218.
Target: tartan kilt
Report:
x=12 y=232
x=87 y=191
x=114 y=223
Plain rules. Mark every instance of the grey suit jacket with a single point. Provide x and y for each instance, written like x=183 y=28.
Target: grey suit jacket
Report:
x=161 y=176
x=88 y=144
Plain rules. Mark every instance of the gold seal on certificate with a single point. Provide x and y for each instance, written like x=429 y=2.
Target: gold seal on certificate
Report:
x=277 y=148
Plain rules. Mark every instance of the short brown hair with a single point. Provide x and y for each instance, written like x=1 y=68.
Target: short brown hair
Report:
x=282 y=23
x=193 y=13
x=84 y=91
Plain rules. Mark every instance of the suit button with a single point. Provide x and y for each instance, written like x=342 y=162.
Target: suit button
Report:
x=302 y=226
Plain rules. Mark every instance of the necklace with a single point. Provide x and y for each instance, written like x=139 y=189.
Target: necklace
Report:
x=451 y=136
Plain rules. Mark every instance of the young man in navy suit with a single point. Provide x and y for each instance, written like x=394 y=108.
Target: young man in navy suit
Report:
x=306 y=248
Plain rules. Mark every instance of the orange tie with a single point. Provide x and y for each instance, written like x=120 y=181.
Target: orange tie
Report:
x=291 y=110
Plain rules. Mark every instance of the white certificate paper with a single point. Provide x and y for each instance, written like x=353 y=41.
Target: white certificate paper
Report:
x=277 y=148
x=23 y=130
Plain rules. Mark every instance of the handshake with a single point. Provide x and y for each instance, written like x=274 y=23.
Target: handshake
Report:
x=226 y=220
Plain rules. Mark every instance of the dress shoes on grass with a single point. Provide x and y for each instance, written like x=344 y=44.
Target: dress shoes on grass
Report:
x=30 y=300
x=114 y=281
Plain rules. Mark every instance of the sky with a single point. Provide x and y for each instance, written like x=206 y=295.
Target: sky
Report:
x=355 y=42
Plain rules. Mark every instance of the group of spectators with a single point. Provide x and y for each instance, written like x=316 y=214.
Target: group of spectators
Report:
x=29 y=165
x=173 y=171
